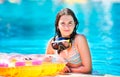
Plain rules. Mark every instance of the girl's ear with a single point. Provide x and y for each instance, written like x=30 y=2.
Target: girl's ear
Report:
x=57 y=27
x=75 y=23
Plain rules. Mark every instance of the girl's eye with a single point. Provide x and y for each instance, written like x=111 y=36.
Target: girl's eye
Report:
x=70 y=23
x=62 y=23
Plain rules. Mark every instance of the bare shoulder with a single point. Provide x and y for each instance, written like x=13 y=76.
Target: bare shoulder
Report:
x=49 y=49
x=81 y=42
x=80 y=37
x=50 y=40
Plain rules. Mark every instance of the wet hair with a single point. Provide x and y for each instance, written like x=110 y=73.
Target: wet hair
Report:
x=65 y=11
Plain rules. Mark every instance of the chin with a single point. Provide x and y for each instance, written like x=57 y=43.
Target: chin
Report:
x=66 y=34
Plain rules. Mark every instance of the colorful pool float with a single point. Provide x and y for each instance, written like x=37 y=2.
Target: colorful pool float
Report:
x=29 y=66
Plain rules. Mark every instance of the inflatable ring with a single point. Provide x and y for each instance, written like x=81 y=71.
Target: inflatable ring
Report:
x=29 y=66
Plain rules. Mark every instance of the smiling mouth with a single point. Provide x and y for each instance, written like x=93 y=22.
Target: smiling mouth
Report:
x=66 y=30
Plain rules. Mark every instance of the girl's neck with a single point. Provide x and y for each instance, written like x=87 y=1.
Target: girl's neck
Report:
x=66 y=36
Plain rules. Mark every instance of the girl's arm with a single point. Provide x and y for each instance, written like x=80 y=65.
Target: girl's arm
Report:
x=85 y=56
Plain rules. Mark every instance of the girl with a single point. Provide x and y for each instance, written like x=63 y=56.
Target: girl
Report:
x=69 y=44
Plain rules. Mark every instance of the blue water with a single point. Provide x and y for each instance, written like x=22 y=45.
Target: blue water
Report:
x=27 y=26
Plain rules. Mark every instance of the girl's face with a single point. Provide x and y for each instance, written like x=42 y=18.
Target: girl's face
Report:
x=66 y=25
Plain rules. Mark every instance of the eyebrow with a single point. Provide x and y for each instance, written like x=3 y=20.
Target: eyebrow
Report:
x=71 y=21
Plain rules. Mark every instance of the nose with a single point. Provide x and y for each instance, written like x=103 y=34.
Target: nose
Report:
x=66 y=26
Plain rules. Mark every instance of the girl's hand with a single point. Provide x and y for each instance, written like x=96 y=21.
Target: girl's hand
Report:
x=66 y=69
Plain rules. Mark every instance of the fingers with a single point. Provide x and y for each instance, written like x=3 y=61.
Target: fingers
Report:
x=66 y=70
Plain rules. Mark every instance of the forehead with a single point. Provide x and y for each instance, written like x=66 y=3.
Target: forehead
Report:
x=66 y=18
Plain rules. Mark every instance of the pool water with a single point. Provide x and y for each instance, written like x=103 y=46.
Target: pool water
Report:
x=27 y=26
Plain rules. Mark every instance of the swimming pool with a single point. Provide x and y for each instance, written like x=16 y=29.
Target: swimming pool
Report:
x=26 y=27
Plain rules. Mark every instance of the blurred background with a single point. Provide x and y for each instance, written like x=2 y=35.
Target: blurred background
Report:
x=27 y=25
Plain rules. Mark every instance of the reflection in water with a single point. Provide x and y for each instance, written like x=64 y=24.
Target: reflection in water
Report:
x=71 y=2
x=1 y=1
x=15 y=1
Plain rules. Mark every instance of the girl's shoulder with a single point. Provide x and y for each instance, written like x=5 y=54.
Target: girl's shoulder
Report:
x=51 y=39
x=80 y=40
x=80 y=37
